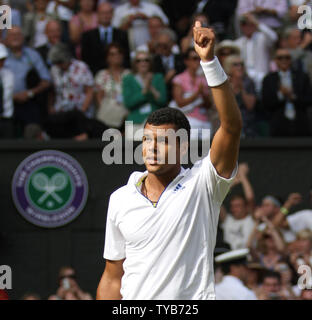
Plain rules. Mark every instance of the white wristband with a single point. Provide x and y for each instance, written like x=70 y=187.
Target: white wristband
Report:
x=214 y=72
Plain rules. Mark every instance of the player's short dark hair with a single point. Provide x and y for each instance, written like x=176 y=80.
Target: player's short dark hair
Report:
x=170 y=116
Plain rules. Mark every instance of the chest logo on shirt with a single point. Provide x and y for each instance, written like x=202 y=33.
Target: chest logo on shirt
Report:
x=178 y=188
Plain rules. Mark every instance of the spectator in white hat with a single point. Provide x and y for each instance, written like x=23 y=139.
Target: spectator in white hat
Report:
x=6 y=97
x=234 y=268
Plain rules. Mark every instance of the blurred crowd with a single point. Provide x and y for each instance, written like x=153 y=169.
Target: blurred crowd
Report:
x=279 y=239
x=73 y=68
x=67 y=288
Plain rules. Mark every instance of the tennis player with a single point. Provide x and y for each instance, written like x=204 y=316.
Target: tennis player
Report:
x=161 y=226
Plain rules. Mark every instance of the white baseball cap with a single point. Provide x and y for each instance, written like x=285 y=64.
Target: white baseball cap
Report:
x=3 y=51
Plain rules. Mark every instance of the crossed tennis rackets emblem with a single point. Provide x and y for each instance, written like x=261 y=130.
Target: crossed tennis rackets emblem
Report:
x=41 y=182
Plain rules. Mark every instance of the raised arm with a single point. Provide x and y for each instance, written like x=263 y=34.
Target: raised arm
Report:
x=225 y=145
x=109 y=286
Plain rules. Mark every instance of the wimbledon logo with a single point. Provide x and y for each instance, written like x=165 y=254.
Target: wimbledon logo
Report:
x=49 y=188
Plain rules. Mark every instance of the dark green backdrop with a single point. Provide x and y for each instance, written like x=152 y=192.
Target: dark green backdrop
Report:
x=35 y=254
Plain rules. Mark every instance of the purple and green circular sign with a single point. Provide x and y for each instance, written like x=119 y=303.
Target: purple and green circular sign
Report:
x=49 y=188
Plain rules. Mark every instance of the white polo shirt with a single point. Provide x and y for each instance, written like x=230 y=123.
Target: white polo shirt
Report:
x=300 y=220
x=168 y=248
x=232 y=288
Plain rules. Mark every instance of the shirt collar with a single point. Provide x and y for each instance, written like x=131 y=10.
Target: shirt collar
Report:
x=138 y=183
x=103 y=29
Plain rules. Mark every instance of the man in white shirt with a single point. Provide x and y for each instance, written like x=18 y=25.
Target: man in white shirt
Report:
x=238 y=224
x=233 y=265
x=297 y=221
x=6 y=97
x=255 y=45
x=133 y=17
x=161 y=227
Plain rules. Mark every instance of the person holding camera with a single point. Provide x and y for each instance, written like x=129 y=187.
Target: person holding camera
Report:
x=68 y=286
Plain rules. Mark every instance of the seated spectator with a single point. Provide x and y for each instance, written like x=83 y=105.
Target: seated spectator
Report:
x=94 y=42
x=254 y=274
x=65 y=125
x=238 y=224
x=226 y=48
x=133 y=16
x=286 y=95
x=255 y=45
x=68 y=286
x=301 y=249
x=62 y=11
x=31 y=296
x=72 y=81
x=191 y=94
x=35 y=23
x=269 y=12
x=179 y=14
x=143 y=91
x=267 y=246
x=6 y=97
x=270 y=208
x=271 y=286
x=84 y=20
x=31 y=79
x=155 y=25
x=287 y=291
x=219 y=13
x=53 y=31
x=297 y=44
x=297 y=221
x=245 y=93
x=111 y=110
x=235 y=271
x=187 y=41
x=166 y=62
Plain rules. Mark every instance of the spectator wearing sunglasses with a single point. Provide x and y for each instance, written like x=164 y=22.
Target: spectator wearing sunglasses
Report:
x=68 y=286
x=226 y=48
x=143 y=90
x=245 y=92
x=299 y=44
x=286 y=95
x=191 y=93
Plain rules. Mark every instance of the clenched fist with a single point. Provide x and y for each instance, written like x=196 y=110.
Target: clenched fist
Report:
x=204 y=41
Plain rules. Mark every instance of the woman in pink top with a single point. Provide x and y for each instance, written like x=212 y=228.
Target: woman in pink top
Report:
x=191 y=93
x=84 y=20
